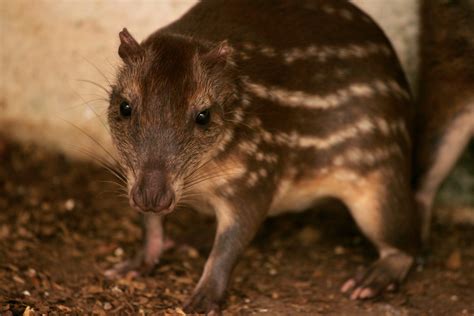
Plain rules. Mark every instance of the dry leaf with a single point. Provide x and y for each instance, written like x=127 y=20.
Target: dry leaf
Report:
x=29 y=311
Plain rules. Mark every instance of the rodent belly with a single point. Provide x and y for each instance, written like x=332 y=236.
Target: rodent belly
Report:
x=338 y=183
x=297 y=197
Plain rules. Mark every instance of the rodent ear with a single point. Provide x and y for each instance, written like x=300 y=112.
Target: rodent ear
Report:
x=220 y=54
x=129 y=48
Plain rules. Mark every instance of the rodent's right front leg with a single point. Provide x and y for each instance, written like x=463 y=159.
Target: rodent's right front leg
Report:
x=148 y=256
x=235 y=229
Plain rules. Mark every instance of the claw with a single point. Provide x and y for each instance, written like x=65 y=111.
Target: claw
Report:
x=348 y=285
x=384 y=275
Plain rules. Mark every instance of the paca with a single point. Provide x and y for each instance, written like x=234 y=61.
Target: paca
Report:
x=250 y=108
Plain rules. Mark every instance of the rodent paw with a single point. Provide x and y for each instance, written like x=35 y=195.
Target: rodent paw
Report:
x=130 y=268
x=142 y=264
x=384 y=275
x=203 y=301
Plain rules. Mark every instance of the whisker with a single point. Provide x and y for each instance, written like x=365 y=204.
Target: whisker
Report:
x=92 y=101
x=117 y=173
x=121 y=186
x=95 y=84
x=115 y=194
x=98 y=70
x=98 y=96
x=188 y=186
x=199 y=168
x=93 y=111
x=191 y=178
x=95 y=141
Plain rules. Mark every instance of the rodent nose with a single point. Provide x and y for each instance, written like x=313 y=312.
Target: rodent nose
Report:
x=165 y=202
x=148 y=199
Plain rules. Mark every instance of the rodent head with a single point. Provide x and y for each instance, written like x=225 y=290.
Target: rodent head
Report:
x=172 y=102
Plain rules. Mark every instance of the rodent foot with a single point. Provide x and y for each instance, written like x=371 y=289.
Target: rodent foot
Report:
x=384 y=275
x=141 y=264
x=129 y=268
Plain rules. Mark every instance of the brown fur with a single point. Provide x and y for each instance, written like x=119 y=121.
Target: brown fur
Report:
x=302 y=96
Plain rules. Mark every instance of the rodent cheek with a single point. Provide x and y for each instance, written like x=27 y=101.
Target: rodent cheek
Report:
x=130 y=181
x=178 y=188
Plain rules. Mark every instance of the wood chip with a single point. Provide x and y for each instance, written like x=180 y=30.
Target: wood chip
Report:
x=454 y=260
x=29 y=311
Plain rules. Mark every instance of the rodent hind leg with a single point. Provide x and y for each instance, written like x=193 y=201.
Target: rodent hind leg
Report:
x=148 y=256
x=383 y=275
x=384 y=212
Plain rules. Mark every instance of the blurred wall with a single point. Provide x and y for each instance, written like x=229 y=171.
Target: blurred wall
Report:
x=47 y=46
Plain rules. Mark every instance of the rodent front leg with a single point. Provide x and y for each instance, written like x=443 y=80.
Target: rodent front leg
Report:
x=148 y=256
x=235 y=229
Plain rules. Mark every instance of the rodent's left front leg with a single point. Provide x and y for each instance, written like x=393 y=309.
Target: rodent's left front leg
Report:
x=235 y=229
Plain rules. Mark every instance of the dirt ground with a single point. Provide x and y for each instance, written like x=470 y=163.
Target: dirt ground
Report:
x=62 y=226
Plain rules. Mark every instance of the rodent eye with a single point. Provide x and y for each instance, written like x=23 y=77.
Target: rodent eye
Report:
x=125 y=109
x=203 y=117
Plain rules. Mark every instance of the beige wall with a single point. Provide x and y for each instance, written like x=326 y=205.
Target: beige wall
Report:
x=47 y=45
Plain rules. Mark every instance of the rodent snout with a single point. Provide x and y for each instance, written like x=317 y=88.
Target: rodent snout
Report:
x=152 y=194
